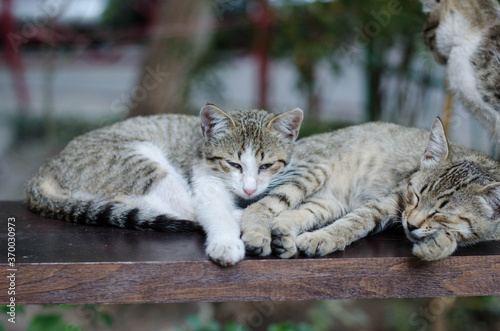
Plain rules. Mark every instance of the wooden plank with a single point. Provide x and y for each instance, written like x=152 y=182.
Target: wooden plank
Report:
x=256 y=280
x=59 y=262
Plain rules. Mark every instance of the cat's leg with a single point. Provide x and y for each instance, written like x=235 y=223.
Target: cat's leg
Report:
x=353 y=226
x=256 y=219
x=314 y=213
x=436 y=246
x=218 y=216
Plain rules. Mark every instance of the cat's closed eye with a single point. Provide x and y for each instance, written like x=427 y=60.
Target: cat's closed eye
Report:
x=413 y=198
x=443 y=204
x=235 y=165
x=266 y=166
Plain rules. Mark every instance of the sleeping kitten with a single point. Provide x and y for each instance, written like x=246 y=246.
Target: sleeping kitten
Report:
x=351 y=182
x=465 y=34
x=164 y=173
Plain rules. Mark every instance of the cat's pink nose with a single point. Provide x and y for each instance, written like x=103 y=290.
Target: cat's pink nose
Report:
x=249 y=191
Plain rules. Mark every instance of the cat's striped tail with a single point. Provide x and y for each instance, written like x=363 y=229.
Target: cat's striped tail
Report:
x=55 y=203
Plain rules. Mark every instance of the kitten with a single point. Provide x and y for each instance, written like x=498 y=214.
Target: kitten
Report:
x=164 y=173
x=465 y=34
x=351 y=182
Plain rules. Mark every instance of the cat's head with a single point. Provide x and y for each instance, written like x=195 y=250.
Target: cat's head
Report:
x=455 y=192
x=248 y=148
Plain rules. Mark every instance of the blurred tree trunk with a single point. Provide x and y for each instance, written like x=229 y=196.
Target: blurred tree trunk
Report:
x=373 y=72
x=180 y=33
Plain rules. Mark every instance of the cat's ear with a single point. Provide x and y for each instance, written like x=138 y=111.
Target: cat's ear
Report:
x=437 y=148
x=287 y=123
x=491 y=193
x=214 y=121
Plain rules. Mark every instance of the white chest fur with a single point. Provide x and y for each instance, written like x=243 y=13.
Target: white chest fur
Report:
x=458 y=40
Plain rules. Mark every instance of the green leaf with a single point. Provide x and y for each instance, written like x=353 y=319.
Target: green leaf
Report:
x=234 y=326
x=51 y=322
x=291 y=326
x=107 y=319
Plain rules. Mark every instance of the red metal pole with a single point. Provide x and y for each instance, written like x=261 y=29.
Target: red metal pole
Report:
x=263 y=20
x=13 y=58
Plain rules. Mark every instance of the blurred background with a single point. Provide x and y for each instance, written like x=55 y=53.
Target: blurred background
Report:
x=70 y=66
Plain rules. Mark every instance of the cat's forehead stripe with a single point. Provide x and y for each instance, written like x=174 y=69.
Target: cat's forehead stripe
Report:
x=248 y=159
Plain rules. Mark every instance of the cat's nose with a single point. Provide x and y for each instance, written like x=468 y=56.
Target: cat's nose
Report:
x=411 y=227
x=249 y=191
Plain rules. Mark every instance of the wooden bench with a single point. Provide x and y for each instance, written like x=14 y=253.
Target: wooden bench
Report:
x=65 y=263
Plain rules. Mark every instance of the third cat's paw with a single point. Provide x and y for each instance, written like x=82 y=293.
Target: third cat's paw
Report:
x=226 y=252
x=319 y=243
x=257 y=241
x=436 y=246
x=283 y=238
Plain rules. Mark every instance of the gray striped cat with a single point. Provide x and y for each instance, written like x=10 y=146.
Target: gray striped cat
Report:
x=348 y=183
x=465 y=35
x=170 y=173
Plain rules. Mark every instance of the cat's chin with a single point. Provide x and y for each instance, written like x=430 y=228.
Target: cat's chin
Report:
x=245 y=201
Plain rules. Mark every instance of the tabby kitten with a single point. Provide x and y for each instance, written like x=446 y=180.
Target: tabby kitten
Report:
x=164 y=173
x=465 y=34
x=351 y=182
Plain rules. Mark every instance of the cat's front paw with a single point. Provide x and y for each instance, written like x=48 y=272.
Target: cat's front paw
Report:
x=439 y=245
x=283 y=238
x=319 y=243
x=257 y=241
x=226 y=252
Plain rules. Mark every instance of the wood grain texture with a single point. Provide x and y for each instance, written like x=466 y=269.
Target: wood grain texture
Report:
x=59 y=262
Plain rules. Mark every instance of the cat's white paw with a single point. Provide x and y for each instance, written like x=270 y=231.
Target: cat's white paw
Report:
x=226 y=252
x=283 y=238
x=319 y=243
x=257 y=240
x=439 y=245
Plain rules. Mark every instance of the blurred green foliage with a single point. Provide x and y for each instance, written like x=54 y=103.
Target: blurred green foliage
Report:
x=383 y=37
x=473 y=313
x=124 y=14
x=53 y=322
x=60 y=131
x=339 y=32
x=194 y=323
x=53 y=317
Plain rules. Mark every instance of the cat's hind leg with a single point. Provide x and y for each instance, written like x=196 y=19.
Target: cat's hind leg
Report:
x=314 y=213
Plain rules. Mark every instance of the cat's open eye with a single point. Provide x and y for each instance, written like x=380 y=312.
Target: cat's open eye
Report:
x=235 y=165
x=265 y=166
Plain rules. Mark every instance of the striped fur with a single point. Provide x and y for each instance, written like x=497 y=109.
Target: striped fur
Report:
x=343 y=185
x=169 y=173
